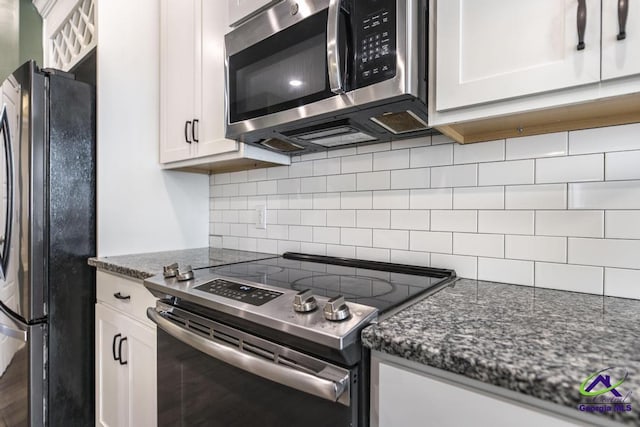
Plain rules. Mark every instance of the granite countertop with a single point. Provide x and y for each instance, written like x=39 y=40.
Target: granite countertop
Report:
x=539 y=342
x=142 y=266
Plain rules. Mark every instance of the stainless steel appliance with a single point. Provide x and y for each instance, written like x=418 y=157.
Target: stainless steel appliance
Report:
x=277 y=341
x=307 y=75
x=47 y=232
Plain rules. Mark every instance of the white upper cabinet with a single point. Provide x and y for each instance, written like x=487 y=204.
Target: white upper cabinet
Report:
x=498 y=49
x=241 y=10
x=620 y=51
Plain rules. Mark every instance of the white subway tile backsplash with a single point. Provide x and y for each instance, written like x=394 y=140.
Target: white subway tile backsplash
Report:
x=386 y=160
x=570 y=169
x=450 y=220
x=538 y=248
x=506 y=270
x=622 y=283
x=360 y=163
x=477 y=153
x=574 y=278
x=341 y=182
x=478 y=198
x=570 y=223
x=410 y=219
x=374 y=180
x=622 y=165
x=432 y=156
x=356 y=200
x=622 y=225
x=454 y=176
x=483 y=216
x=506 y=222
x=342 y=218
x=393 y=239
x=599 y=140
x=438 y=198
x=316 y=184
x=464 y=266
x=326 y=235
x=411 y=178
x=356 y=236
x=506 y=173
x=530 y=147
x=326 y=201
x=605 y=252
x=393 y=199
x=541 y=196
x=326 y=167
x=429 y=241
x=605 y=195
x=489 y=245
x=410 y=258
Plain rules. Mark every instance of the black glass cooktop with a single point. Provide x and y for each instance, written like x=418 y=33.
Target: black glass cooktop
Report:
x=377 y=284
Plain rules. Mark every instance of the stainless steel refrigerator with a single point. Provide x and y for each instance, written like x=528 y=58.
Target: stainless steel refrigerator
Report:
x=47 y=232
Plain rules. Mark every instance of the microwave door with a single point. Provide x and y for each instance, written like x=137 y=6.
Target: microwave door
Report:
x=283 y=67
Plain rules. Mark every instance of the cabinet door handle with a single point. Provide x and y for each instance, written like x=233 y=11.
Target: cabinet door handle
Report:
x=194 y=131
x=118 y=295
x=186 y=131
x=582 y=22
x=122 y=362
x=113 y=347
x=623 y=12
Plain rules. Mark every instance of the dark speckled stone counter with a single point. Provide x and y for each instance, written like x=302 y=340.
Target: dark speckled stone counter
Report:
x=141 y=266
x=539 y=342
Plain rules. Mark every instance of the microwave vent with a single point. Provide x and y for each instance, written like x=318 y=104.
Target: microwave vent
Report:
x=402 y=122
x=280 y=145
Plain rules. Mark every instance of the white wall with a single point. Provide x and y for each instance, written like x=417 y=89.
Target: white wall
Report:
x=558 y=211
x=140 y=207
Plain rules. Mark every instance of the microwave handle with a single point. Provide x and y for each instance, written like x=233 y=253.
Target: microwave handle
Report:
x=333 y=50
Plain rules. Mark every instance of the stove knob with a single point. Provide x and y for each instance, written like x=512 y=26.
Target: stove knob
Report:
x=304 y=302
x=170 y=270
x=184 y=274
x=335 y=309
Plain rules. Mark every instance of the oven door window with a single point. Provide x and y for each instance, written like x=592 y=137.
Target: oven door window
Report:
x=196 y=389
x=284 y=71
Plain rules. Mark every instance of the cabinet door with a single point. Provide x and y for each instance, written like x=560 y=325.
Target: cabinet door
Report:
x=112 y=390
x=211 y=85
x=620 y=57
x=178 y=73
x=498 y=49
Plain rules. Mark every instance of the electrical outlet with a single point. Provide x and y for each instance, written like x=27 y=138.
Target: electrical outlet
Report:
x=261 y=217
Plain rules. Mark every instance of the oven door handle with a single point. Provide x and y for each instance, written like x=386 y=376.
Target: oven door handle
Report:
x=308 y=383
x=333 y=50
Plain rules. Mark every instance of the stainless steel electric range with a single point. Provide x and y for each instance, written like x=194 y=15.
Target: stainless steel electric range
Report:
x=277 y=341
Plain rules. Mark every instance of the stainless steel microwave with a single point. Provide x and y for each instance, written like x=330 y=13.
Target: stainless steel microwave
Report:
x=309 y=75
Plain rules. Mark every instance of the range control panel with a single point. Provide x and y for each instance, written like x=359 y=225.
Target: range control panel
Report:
x=239 y=292
x=376 y=41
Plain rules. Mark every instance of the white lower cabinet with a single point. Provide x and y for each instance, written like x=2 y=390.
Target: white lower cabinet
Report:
x=405 y=397
x=126 y=384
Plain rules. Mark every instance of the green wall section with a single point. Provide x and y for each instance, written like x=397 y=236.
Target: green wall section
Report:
x=20 y=35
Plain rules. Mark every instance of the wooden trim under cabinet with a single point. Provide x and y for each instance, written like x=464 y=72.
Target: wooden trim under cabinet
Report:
x=604 y=112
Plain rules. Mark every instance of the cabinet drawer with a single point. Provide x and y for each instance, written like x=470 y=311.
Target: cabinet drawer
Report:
x=110 y=285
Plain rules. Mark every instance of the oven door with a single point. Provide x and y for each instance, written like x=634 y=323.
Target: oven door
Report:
x=288 y=63
x=211 y=374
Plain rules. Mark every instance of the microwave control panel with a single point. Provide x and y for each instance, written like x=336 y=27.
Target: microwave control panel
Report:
x=375 y=41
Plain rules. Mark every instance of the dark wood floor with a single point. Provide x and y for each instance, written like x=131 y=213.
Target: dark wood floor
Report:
x=13 y=392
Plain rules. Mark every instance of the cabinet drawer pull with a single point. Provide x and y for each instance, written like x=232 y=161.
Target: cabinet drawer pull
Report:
x=582 y=22
x=122 y=362
x=194 y=130
x=113 y=347
x=118 y=295
x=623 y=12
x=187 y=124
